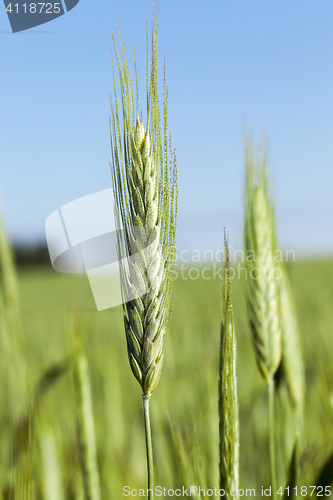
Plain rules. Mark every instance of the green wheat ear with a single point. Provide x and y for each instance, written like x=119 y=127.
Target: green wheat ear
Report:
x=228 y=397
x=144 y=184
x=145 y=189
x=262 y=287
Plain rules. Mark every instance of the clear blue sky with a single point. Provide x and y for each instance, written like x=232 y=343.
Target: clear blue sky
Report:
x=231 y=64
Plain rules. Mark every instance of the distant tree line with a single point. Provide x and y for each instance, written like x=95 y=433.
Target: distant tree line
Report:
x=31 y=255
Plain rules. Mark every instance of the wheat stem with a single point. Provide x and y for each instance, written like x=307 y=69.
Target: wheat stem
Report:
x=145 y=190
x=149 y=446
x=292 y=357
x=271 y=438
x=85 y=418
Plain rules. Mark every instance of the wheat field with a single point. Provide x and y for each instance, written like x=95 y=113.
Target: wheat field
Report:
x=187 y=393
x=245 y=402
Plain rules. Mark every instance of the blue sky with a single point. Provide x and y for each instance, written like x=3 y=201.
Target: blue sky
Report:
x=266 y=66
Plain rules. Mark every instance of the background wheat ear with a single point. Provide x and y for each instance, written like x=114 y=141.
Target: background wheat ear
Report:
x=262 y=287
x=228 y=396
x=262 y=283
x=144 y=184
x=189 y=455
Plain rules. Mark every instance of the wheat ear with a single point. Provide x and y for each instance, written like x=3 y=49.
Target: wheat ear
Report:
x=228 y=397
x=144 y=183
x=262 y=287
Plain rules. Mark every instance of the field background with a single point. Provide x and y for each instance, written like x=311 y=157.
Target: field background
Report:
x=230 y=67
x=187 y=392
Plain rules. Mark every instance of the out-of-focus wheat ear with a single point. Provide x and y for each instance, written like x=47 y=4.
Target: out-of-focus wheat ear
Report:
x=228 y=397
x=182 y=451
x=291 y=348
x=262 y=283
x=22 y=435
x=189 y=455
x=262 y=288
x=85 y=420
x=13 y=364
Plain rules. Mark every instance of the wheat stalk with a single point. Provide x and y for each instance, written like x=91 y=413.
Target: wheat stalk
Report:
x=228 y=397
x=144 y=184
x=85 y=418
x=49 y=467
x=262 y=287
x=11 y=342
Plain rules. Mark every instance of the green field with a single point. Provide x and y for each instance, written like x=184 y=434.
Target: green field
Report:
x=187 y=392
